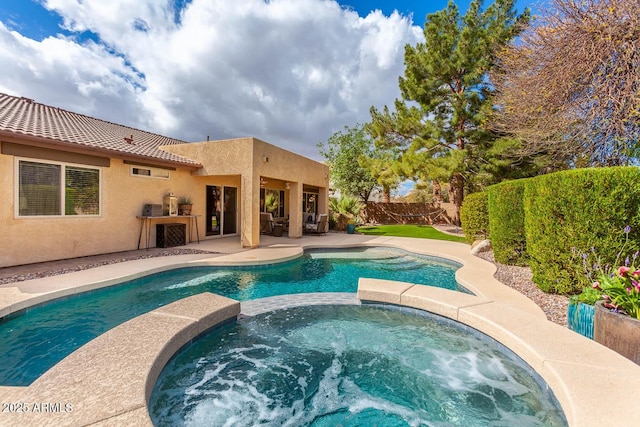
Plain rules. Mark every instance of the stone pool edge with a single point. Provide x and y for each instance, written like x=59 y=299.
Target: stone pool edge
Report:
x=109 y=380
x=475 y=274
x=18 y=296
x=594 y=385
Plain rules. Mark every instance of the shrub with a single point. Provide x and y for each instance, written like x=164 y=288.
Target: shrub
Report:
x=506 y=219
x=343 y=210
x=474 y=216
x=571 y=212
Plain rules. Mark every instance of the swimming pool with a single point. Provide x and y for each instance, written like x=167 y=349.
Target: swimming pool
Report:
x=33 y=340
x=350 y=366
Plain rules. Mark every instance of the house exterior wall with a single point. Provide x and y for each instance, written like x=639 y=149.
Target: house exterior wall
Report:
x=236 y=163
x=251 y=159
x=38 y=239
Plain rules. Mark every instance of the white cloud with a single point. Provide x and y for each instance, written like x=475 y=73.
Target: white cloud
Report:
x=57 y=71
x=291 y=72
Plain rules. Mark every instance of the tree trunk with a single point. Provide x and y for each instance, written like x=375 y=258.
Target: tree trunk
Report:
x=456 y=191
x=386 y=194
x=437 y=191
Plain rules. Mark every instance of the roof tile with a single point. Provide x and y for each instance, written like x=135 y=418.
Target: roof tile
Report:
x=27 y=117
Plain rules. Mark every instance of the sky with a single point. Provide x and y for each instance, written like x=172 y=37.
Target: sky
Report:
x=289 y=72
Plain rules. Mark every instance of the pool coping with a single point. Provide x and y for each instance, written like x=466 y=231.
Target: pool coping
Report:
x=593 y=384
x=109 y=380
x=22 y=295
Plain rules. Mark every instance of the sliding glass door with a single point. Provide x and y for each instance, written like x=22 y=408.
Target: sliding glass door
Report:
x=222 y=210
x=230 y=206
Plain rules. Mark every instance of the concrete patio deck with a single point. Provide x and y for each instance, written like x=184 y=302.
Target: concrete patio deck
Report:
x=594 y=385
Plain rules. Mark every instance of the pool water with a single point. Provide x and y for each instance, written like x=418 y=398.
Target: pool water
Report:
x=349 y=366
x=34 y=340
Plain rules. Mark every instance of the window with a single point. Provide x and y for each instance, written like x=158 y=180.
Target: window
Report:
x=150 y=172
x=140 y=171
x=309 y=202
x=57 y=189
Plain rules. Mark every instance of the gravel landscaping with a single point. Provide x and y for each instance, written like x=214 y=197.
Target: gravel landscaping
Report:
x=519 y=278
x=52 y=268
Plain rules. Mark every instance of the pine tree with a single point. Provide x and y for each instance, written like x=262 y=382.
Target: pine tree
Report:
x=439 y=122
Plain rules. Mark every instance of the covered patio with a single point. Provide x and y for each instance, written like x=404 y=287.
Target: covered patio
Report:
x=270 y=180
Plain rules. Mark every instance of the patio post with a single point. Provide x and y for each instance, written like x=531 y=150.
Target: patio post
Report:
x=250 y=217
x=295 y=210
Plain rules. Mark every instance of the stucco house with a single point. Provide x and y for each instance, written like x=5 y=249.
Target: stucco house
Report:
x=74 y=185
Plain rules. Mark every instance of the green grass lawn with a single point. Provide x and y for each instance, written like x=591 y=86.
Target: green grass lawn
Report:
x=419 y=231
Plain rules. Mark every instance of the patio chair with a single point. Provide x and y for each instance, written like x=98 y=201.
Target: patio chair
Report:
x=318 y=227
x=308 y=218
x=266 y=223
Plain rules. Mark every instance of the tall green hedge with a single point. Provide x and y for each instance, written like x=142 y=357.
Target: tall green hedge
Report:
x=474 y=216
x=579 y=211
x=506 y=220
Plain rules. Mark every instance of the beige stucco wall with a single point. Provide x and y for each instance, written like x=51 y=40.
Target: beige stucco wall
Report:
x=252 y=159
x=37 y=239
x=236 y=163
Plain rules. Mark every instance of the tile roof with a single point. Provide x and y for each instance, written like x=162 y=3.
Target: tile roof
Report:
x=23 y=116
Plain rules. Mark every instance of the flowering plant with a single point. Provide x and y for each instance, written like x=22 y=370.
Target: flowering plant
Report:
x=620 y=289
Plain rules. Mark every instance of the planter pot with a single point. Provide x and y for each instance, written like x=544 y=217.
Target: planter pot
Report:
x=351 y=228
x=618 y=332
x=277 y=230
x=184 y=209
x=580 y=319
